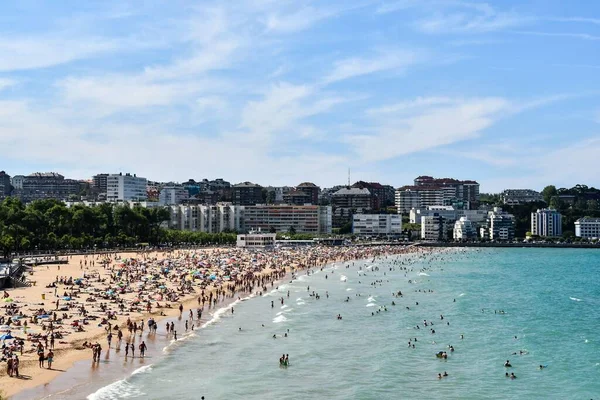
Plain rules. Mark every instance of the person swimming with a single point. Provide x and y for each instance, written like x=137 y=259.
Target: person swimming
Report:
x=507 y=364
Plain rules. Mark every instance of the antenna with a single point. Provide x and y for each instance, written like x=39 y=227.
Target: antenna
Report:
x=348 y=177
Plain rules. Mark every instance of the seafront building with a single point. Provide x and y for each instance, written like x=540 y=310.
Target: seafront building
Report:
x=286 y=217
x=513 y=197
x=377 y=224
x=348 y=201
x=433 y=228
x=125 y=187
x=256 y=239
x=499 y=225
x=463 y=229
x=546 y=222
x=45 y=185
x=587 y=228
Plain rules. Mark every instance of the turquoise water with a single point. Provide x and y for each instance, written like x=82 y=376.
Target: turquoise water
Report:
x=550 y=297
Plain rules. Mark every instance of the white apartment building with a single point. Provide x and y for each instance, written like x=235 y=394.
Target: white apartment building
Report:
x=281 y=218
x=587 y=228
x=406 y=200
x=433 y=228
x=206 y=218
x=546 y=222
x=377 y=224
x=171 y=195
x=450 y=213
x=126 y=187
x=499 y=225
x=463 y=229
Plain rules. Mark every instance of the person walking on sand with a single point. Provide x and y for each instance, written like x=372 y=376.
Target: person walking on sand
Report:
x=132 y=350
x=126 y=349
x=143 y=348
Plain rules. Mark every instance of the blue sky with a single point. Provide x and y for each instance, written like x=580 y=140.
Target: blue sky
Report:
x=279 y=92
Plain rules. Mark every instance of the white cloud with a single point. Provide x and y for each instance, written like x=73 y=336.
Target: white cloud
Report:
x=385 y=60
x=430 y=128
x=297 y=20
x=571 y=35
x=411 y=105
x=6 y=83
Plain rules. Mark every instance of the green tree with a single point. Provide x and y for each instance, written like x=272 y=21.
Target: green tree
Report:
x=548 y=193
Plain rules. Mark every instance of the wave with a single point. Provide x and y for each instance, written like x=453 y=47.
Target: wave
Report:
x=371 y=305
x=116 y=390
x=283 y=307
x=279 y=319
x=575 y=299
x=349 y=289
x=423 y=274
x=343 y=278
x=371 y=299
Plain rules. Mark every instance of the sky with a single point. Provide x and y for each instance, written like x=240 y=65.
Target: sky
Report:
x=280 y=92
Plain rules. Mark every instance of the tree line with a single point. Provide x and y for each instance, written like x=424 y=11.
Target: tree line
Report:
x=49 y=225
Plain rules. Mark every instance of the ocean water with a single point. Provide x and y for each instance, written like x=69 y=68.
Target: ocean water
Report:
x=551 y=304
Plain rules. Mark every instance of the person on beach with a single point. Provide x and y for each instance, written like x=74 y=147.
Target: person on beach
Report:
x=41 y=359
x=126 y=349
x=50 y=359
x=132 y=350
x=143 y=348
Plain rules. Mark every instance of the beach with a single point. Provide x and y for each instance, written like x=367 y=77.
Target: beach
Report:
x=98 y=293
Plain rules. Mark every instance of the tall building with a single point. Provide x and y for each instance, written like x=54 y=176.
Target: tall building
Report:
x=377 y=224
x=348 y=201
x=587 y=228
x=100 y=182
x=546 y=222
x=377 y=190
x=454 y=189
x=310 y=190
x=171 y=195
x=126 y=187
x=17 y=182
x=206 y=218
x=463 y=229
x=283 y=218
x=247 y=194
x=409 y=197
x=433 y=228
x=5 y=185
x=499 y=225
x=47 y=185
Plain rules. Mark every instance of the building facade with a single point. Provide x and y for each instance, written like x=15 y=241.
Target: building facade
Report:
x=171 y=195
x=513 y=197
x=348 y=201
x=100 y=182
x=409 y=197
x=125 y=187
x=5 y=185
x=256 y=239
x=46 y=185
x=587 y=228
x=499 y=225
x=546 y=222
x=285 y=218
x=464 y=190
x=377 y=224
x=433 y=228
x=463 y=229
x=247 y=194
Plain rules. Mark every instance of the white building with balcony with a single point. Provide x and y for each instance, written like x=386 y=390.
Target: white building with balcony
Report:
x=125 y=187
x=463 y=229
x=587 y=228
x=171 y=195
x=377 y=224
x=546 y=222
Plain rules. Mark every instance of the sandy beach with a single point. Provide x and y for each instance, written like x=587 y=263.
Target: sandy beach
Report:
x=102 y=294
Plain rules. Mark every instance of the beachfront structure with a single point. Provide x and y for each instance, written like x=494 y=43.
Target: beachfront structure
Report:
x=256 y=239
x=463 y=229
x=433 y=228
x=247 y=194
x=377 y=224
x=286 y=217
x=5 y=186
x=171 y=195
x=587 y=228
x=206 y=218
x=499 y=225
x=546 y=222
x=125 y=187
x=46 y=185
x=349 y=201
x=513 y=197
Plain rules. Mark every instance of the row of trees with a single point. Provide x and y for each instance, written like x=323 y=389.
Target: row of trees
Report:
x=51 y=225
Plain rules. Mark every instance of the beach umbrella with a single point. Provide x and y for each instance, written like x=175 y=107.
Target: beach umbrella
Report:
x=66 y=298
x=6 y=336
x=8 y=300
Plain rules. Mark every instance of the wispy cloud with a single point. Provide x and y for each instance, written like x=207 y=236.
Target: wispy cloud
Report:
x=572 y=35
x=6 y=83
x=384 y=60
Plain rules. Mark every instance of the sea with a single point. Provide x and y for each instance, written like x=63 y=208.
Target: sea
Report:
x=532 y=307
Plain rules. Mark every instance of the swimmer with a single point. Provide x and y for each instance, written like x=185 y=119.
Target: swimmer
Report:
x=507 y=364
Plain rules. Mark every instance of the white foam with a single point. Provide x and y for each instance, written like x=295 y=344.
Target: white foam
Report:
x=371 y=305
x=283 y=307
x=117 y=390
x=371 y=299
x=461 y=295
x=423 y=274
x=574 y=299
x=343 y=278
x=349 y=289
x=279 y=319
x=141 y=370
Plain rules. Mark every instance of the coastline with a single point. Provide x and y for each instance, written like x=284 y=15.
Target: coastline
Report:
x=72 y=355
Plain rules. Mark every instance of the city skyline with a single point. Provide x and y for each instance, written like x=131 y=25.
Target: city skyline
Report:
x=279 y=93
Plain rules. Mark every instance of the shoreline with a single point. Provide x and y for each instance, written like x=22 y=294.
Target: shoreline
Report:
x=73 y=356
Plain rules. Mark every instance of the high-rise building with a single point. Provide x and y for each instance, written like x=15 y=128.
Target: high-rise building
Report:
x=348 y=201
x=467 y=190
x=433 y=228
x=100 y=182
x=310 y=190
x=499 y=225
x=17 y=182
x=284 y=217
x=247 y=194
x=5 y=185
x=409 y=197
x=125 y=187
x=546 y=222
